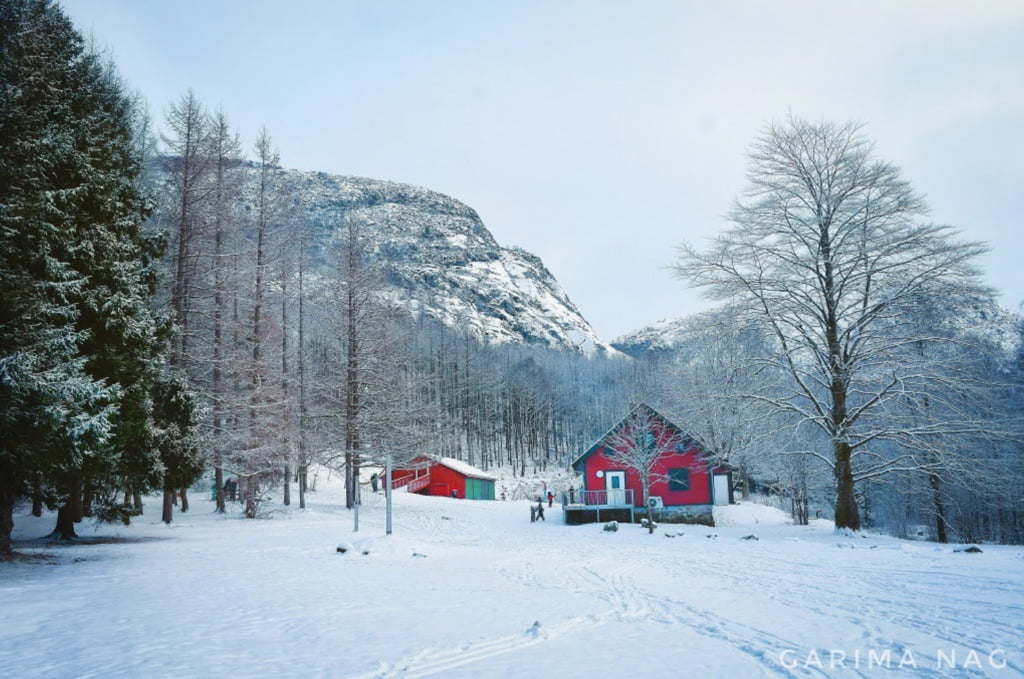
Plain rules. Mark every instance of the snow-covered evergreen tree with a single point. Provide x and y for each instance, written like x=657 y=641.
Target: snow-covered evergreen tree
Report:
x=80 y=345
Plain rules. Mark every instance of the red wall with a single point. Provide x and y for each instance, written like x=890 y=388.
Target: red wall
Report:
x=444 y=480
x=700 y=478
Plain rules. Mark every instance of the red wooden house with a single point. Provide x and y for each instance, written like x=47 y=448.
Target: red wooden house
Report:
x=444 y=476
x=682 y=486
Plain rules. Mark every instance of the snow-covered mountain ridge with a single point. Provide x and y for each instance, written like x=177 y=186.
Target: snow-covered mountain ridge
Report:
x=440 y=260
x=662 y=337
x=999 y=327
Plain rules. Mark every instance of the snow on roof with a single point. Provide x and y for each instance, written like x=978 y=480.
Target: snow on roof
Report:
x=465 y=469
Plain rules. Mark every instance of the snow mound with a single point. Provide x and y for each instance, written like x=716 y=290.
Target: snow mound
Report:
x=750 y=514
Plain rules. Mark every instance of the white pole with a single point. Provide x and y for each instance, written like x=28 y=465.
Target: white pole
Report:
x=387 y=490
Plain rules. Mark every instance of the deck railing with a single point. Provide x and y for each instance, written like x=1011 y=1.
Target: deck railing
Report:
x=418 y=484
x=414 y=482
x=601 y=498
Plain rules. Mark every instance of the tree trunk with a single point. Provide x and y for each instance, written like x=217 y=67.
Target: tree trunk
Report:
x=940 y=509
x=7 y=499
x=167 y=515
x=847 y=514
x=137 y=502
x=287 y=486
x=250 y=498
x=37 y=496
x=184 y=500
x=65 y=528
x=87 y=497
x=75 y=499
x=218 y=480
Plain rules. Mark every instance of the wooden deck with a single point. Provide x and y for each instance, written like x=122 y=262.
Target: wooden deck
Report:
x=579 y=506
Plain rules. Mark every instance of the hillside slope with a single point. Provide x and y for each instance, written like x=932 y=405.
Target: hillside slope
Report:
x=440 y=260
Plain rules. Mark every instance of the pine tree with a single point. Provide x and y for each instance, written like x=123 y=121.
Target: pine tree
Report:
x=79 y=346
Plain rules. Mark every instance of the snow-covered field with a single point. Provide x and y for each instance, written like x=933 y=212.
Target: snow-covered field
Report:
x=473 y=589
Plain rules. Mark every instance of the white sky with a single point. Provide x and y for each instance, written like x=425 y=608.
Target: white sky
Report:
x=600 y=135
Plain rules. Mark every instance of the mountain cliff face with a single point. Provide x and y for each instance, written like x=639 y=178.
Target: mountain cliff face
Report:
x=661 y=338
x=441 y=261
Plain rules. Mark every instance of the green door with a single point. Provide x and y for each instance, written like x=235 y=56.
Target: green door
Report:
x=479 y=489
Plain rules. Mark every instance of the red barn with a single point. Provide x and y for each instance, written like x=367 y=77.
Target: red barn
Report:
x=445 y=477
x=644 y=442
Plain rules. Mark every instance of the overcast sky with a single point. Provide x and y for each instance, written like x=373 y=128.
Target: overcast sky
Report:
x=600 y=135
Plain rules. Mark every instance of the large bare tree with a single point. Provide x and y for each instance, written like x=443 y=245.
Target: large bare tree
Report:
x=830 y=249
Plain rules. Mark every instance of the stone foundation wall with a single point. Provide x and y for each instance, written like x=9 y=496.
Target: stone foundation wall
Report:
x=698 y=514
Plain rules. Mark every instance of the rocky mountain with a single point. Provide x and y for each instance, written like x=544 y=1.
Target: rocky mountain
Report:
x=441 y=261
x=661 y=338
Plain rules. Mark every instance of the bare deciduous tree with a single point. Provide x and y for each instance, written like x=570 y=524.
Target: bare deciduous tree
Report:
x=829 y=250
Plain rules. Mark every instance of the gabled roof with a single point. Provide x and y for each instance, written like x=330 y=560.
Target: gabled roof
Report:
x=425 y=461
x=641 y=409
x=466 y=470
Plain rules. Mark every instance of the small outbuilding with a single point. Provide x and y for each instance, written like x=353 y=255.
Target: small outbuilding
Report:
x=444 y=477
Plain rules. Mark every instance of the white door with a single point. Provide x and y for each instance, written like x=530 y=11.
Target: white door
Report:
x=721 y=489
x=615 y=484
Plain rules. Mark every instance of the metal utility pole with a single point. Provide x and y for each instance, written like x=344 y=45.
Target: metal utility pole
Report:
x=387 y=491
x=355 y=500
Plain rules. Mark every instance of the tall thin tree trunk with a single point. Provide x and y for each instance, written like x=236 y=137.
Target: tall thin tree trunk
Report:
x=288 y=420
x=303 y=412
x=218 y=368
x=352 y=385
x=218 y=482
x=940 y=509
x=263 y=148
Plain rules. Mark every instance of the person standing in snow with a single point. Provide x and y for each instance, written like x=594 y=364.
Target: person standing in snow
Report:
x=551 y=498
x=540 y=510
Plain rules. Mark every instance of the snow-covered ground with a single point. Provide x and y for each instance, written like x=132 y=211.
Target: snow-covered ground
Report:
x=473 y=589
